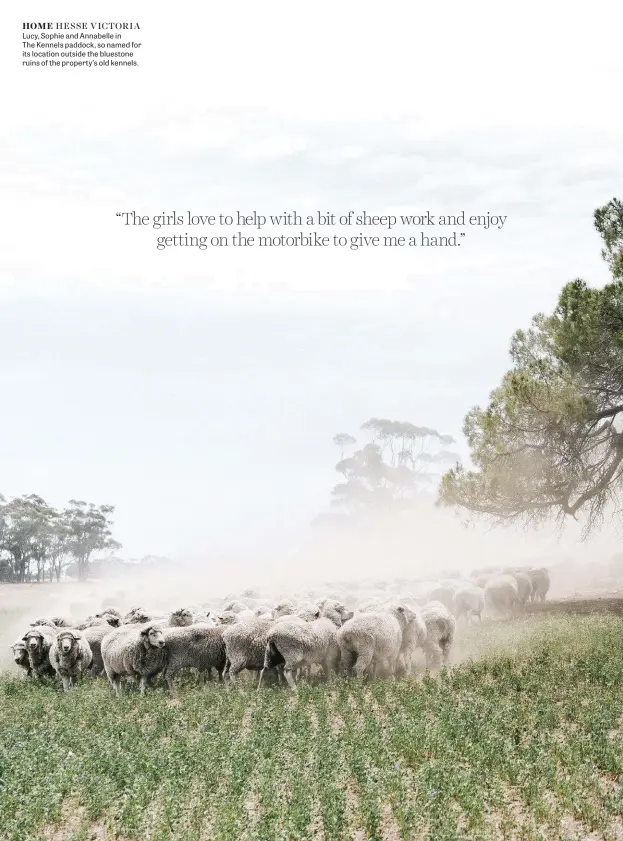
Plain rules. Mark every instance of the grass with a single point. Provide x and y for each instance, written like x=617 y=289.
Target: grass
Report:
x=523 y=743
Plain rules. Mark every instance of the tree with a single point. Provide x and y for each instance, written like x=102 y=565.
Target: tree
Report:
x=58 y=549
x=36 y=539
x=25 y=533
x=398 y=462
x=344 y=440
x=87 y=529
x=609 y=223
x=550 y=441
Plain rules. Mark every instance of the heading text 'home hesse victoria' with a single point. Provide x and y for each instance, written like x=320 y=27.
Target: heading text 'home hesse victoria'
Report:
x=107 y=25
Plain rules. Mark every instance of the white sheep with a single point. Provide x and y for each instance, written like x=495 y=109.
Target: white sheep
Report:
x=440 y=628
x=196 y=646
x=185 y=616
x=245 y=646
x=524 y=588
x=38 y=641
x=285 y=607
x=235 y=606
x=540 y=583
x=413 y=637
x=94 y=635
x=134 y=651
x=20 y=656
x=300 y=645
x=137 y=616
x=226 y=617
x=108 y=619
x=502 y=596
x=245 y=642
x=443 y=592
x=70 y=656
x=469 y=600
x=53 y=621
x=373 y=640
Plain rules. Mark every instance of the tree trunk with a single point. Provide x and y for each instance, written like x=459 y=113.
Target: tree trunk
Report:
x=83 y=568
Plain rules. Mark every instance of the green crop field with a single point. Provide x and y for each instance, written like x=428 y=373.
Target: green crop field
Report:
x=524 y=741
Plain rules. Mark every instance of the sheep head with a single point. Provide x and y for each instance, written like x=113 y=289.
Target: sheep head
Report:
x=226 y=617
x=344 y=612
x=182 y=617
x=109 y=610
x=112 y=618
x=33 y=640
x=403 y=613
x=66 y=640
x=136 y=615
x=20 y=652
x=329 y=612
x=153 y=637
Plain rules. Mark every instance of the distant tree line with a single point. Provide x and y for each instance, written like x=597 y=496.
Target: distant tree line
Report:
x=38 y=542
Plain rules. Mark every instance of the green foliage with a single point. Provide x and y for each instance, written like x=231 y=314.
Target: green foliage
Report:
x=609 y=223
x=517 y=744
x=37 y=540
x=88 y=530
x=550 y=443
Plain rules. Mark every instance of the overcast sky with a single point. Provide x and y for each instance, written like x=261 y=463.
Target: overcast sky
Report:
x=198 y=391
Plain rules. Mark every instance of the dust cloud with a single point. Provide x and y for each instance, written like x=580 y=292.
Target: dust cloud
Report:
x=395 y=555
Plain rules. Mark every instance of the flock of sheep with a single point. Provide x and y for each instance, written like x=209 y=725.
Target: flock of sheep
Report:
x=340 y=631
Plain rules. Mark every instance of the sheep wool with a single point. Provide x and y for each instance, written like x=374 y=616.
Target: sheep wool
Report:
x=70 y=656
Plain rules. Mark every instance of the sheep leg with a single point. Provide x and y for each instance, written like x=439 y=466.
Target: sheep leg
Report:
x=392 y=665
x=290 y=677
x=363 y=661
x=233 y=671
x=347 y=660
x=259 y=683
x=331 y=664
x=403 y=664
x=432 y=659
x=66 y=682
x=142 y=684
